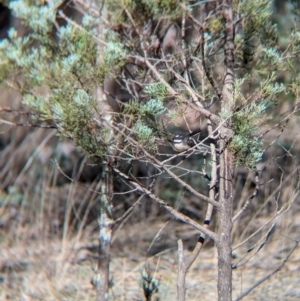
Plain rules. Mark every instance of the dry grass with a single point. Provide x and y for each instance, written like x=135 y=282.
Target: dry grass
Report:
x=38 y=269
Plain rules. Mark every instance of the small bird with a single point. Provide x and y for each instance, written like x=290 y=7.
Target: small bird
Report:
x=181 y=142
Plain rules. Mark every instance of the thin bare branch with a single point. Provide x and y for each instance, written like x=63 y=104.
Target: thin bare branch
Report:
x=270 y=274
x=179 y=216
x=250 y=198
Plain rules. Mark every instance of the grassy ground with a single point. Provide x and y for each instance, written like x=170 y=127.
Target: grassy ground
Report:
x=49 y=268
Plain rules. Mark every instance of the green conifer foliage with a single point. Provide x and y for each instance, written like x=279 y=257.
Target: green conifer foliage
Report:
x=59 y=71
x=57 y=68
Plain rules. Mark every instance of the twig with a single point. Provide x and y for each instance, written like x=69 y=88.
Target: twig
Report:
x=28 y=124
x=175 y=213
x=168 y=171
x=267 y=276
x=250 y=198
x=275 y=218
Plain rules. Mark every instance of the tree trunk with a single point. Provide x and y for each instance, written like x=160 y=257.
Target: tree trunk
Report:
x=226 y=199
x=224 y=231
x=105 y=232
x=105 y=220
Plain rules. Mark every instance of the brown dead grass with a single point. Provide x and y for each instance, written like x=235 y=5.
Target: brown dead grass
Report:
x=50 y=269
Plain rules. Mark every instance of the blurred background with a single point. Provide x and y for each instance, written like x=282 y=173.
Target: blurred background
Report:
x=49 y=209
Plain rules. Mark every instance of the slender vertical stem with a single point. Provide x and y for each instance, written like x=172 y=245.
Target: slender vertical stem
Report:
x=105 y=223
x=225 y=226
x=224 y=244
x=105 y=220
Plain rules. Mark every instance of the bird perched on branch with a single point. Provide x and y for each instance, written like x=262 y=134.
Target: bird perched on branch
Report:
x=181 y=142
x=184 y=142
